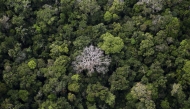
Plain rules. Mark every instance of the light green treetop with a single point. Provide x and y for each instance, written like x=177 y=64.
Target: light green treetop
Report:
x=111 y=44
x=32 y=64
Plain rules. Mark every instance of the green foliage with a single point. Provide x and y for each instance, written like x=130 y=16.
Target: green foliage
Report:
x=41 y=63
x=147 y=42
x=128 y=28
x=111 y=44
x=177 y=92
x=23 y=95
x=165 y=104
x=117 y=6
x=108 y=16
x=146 y=46
x=58 y=48
x=115 y=17
x=141 y=92
x=186 y=75
x=92 y=107
x=89 y=6
x=76 y=77
x=3 y=89
x=32 y=64
x=14 y=52
x=52 y=97
x=18 y=5
x=18 y=20
x=186 y=67
x=186 y=104
x=62 y=61
x=6 y=104
x=58 y=104
x=133 y=41
x=97 y=91
x=46 y=14
x=71 y=97
x=74 y=87
x=173 y=27
x=137 y=8
x=118 y=79
x=184 y=48
x=81 y=42
x=110 y=100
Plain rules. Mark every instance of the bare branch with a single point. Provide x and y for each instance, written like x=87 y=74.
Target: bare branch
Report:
x=92 y=59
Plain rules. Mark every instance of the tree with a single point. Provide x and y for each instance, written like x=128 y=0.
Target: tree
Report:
x=76 y=77
x=19 y=6
x=46 y=14
x=4 y=22
x=91 y=59
x=60 y=103
x=186 y=67
x=58 y=48
x=45 y=17
x=146 y=46
x=73 y=87
x=177 y=92
x=97 y=91
x=155 y=5
x=108 y=16
x=173 y=27
x=18 y=20
x=3 y=89
x=71 y=97
x=186 y=75
x=56 y=80
x=117 y=6
x=32 y=64
x=128 y=28
x=143 y=94
x=82 y=41
x=6 y=104
x=88 y=6
x=23 y=95
x=165 y=104
x=184 y=48
x=111 y=44
x=119 y=79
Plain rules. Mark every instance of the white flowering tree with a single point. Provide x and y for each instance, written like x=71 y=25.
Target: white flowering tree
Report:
x=91 y=59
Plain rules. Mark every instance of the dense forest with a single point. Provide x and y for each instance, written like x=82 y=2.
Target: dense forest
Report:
x=94 y=54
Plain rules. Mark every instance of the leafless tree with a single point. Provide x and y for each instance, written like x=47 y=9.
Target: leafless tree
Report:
x=91 y=59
